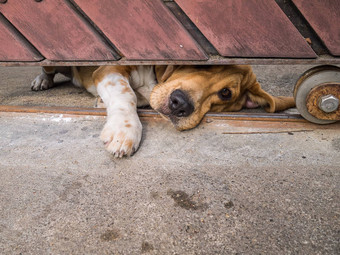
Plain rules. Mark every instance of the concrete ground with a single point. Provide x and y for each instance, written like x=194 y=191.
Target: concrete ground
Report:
x=226 y=187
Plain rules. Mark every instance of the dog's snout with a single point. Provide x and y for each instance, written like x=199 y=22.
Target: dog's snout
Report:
x=180 y=104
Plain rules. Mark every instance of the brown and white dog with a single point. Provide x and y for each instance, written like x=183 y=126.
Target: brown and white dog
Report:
x=182 y=94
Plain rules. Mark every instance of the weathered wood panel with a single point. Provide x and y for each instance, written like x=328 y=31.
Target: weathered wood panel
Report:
x=302 y=25
x=142 y=29
x=251 y=28
x=324 y=17
x=56 y=30
x=191 y=28
x=13 y=47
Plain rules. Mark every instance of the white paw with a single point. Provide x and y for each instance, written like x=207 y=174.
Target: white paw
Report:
x=42 y=82
x=122 y=134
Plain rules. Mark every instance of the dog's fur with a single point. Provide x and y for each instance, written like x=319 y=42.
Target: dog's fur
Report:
x=182 y=94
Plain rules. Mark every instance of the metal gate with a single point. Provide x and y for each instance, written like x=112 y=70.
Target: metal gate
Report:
x=100 y=32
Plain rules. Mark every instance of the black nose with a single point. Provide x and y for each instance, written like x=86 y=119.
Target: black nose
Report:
x=180 y=104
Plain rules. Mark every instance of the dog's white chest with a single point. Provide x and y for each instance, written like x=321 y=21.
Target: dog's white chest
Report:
x=142 y=81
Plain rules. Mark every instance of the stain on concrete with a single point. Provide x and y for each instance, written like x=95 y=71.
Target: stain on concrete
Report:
x=228 y=204
x=147 y=247
x=110 y=235
x=64 y=131
x=185 y=201
x=69 y=188
x=154 y=194
x=336 y=144
x=192 y=229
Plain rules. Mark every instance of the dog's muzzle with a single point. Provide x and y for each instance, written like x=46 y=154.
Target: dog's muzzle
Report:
x=180 y=104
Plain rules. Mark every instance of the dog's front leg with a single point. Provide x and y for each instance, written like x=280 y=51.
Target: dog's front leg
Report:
x=123 y=130
x=44 y=80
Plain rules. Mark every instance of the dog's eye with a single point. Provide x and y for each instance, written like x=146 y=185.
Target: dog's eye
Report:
x=224 y=94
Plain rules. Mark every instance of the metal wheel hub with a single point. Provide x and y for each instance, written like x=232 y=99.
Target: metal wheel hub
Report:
x=317 y=94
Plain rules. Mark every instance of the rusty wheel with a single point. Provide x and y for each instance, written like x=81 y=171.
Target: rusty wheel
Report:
x=317 y=94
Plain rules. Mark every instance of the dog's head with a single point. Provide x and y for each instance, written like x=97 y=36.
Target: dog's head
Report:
x=184 y=94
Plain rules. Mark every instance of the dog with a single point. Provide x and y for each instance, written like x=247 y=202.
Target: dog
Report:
x=182 y=94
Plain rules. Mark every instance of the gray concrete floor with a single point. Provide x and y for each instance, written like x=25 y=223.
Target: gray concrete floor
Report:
x=196 y=192
x=15 y=89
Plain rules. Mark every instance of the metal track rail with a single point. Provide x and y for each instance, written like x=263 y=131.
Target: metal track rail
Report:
x=151 y=113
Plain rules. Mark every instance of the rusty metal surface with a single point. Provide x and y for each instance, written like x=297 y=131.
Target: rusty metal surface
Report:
x=312 y=101
x=56 y=110
x=56 y=30
x=227 y=123
x=214 y=60
x=252 y=28
x=324 y=17
x=142 y=30
x=13 y=47
x=152 y=113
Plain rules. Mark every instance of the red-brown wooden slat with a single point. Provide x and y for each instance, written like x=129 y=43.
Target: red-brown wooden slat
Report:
x=13 y=47
x=324 y=17
x=56 y=30
x=247 y=28
x=142 y=29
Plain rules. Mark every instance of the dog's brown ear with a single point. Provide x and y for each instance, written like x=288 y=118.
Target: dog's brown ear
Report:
x=164 y=72
x=270 y=103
